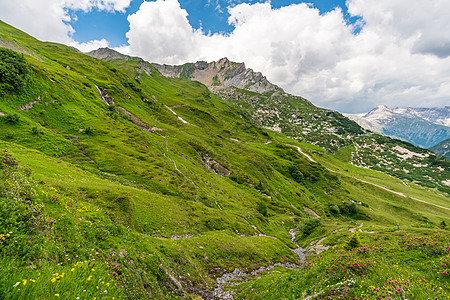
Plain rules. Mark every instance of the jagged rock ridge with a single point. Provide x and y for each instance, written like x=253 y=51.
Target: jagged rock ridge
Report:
x=220 y=73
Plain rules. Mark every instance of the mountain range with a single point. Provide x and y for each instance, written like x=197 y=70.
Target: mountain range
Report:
x=120 y=178
x=423 y=127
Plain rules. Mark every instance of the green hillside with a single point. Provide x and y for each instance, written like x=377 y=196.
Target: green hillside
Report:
x=117 y=182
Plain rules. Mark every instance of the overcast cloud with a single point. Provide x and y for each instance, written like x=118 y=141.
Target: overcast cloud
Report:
x=399 y=58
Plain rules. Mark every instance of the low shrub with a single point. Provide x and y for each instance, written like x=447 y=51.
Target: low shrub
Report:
x=308 y=226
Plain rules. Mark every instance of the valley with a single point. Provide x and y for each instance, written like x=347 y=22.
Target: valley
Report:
x=121 y=179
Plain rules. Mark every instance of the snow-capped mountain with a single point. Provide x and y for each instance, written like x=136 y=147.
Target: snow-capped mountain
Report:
x=424 y=127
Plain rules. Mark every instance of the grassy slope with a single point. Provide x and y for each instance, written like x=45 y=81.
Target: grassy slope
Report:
x=133 y=196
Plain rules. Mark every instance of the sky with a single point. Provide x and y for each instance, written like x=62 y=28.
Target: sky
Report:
x=349 y=56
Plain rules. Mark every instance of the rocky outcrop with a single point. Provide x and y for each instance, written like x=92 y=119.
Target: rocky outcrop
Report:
x=29 y=105
x=214 y=166
x=105 y=96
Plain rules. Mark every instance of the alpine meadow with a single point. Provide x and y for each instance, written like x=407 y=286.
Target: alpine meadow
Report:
x=123 y=179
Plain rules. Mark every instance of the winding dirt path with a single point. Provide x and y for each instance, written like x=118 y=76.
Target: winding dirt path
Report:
x=400 y=194
x=179 y=118
x=300 y=150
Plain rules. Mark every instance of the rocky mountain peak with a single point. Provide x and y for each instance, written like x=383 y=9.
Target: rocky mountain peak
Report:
x=221 y=73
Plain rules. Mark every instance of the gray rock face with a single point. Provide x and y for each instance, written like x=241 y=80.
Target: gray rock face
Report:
x=220 y=73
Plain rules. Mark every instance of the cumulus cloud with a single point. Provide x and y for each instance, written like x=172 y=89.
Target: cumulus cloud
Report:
x=89 y=46
x=49 y=19
x=399 y=58
x=160 y=31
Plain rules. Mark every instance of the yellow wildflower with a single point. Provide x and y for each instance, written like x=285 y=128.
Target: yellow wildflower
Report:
x=73 y=269
x=24 y=281
x=56 y=295
x=53 y=279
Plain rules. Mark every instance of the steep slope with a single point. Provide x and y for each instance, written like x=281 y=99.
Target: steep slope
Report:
x=423 y=127
x=442 y=149
x=116 y=181
x=294 y=116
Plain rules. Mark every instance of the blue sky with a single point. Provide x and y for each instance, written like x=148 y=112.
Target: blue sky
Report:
x=211 y=16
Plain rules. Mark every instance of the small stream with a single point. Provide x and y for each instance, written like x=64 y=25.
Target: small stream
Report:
x=238 y=276
x=299 y=250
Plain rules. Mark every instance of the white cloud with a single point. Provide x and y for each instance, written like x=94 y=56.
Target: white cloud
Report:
x=108 y=5
x=400 y=57
x=48 y=19
x=89 y=46
x=160 y=31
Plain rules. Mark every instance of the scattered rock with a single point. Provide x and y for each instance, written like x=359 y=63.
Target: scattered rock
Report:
x=175 y=285
x=214 y=166
x=181 y=236
x=316 y=247
x=29 y=105
x=236 y=275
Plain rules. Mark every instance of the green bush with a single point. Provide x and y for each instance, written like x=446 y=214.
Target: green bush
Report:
x=262 y=208
x=89 y=131
x=296 y=174
x=12 y=118
x=36 y=130
x=308 y=226
x=13 y=71
x=348 y=209
x=353 y=242
x=334 y=209
x=10 y=135
x=126 y=117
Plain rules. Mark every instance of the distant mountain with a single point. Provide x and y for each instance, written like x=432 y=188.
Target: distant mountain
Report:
x=109 y=54
x=423 y=127
x=220 y=73
x=442 y=149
